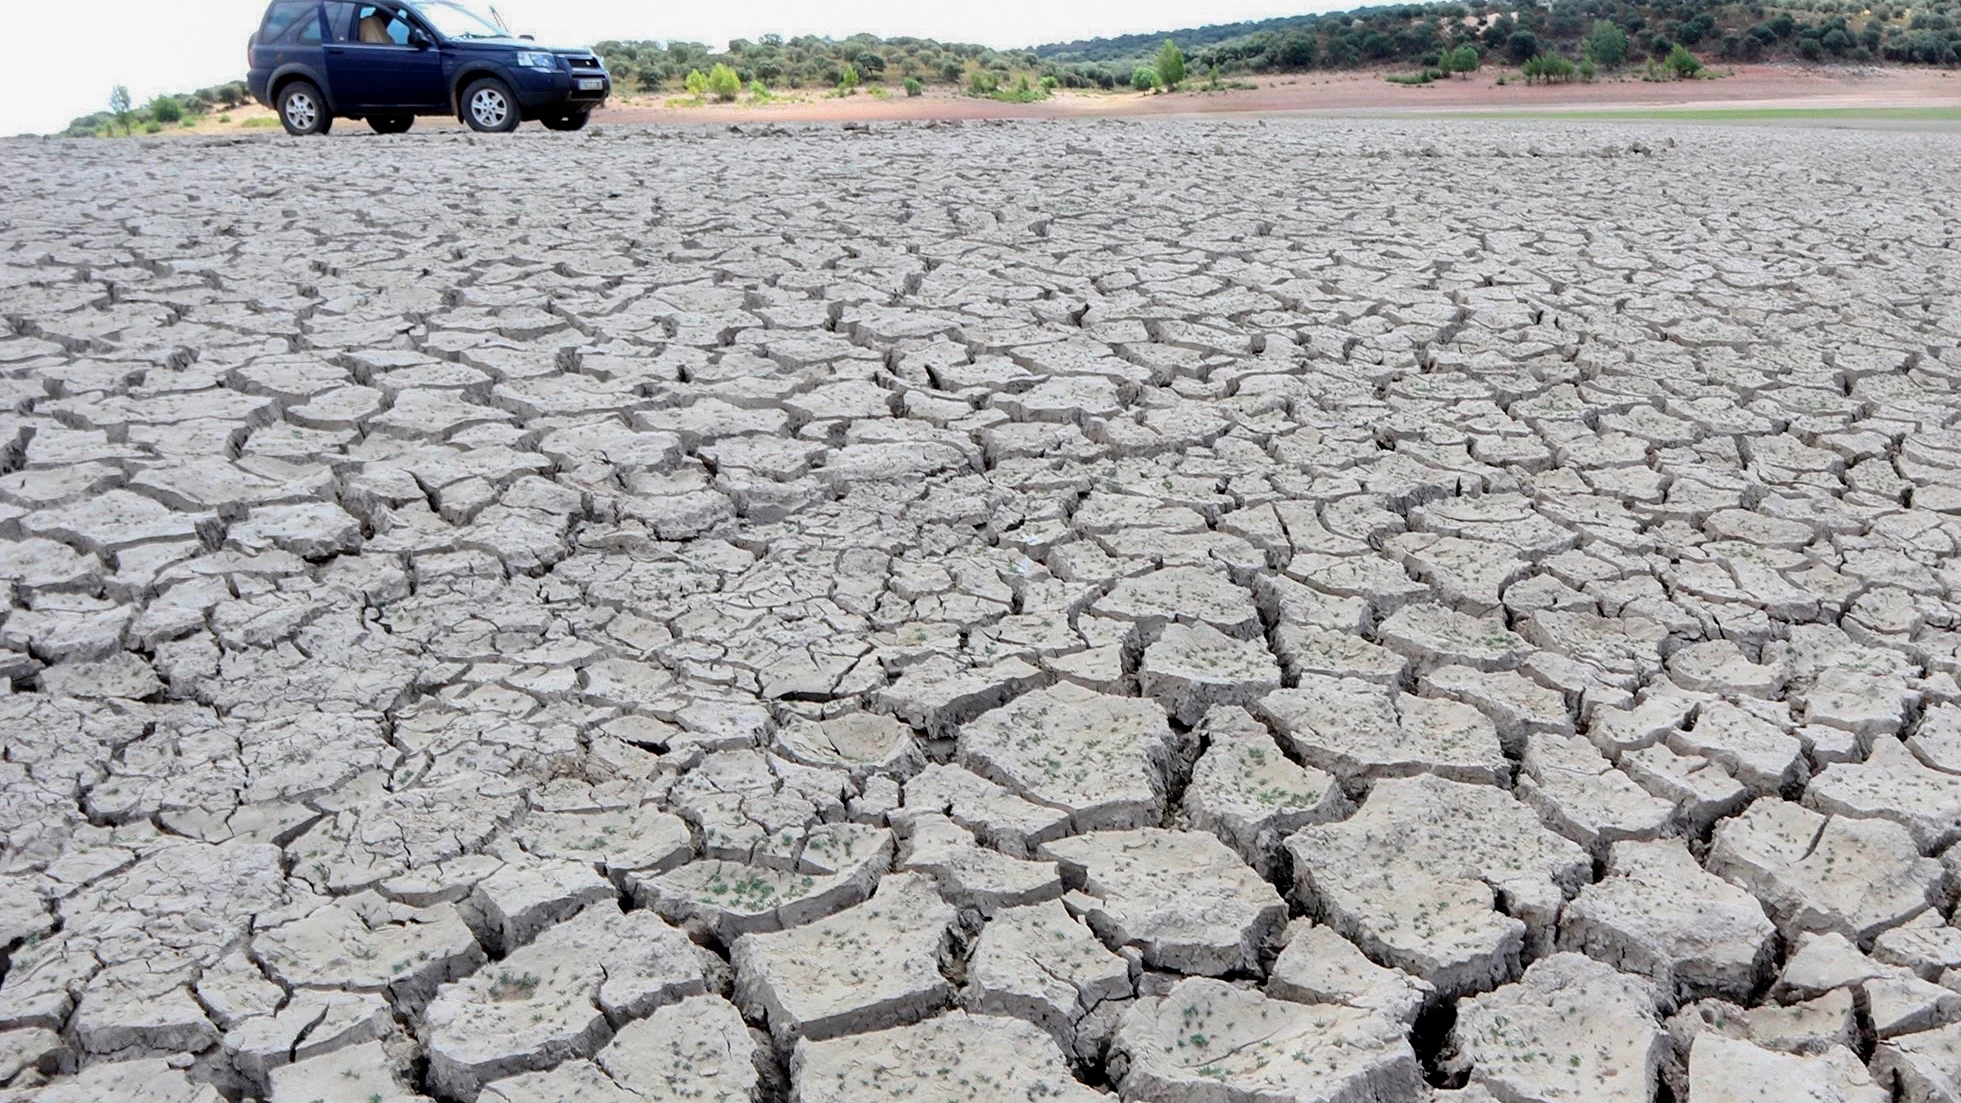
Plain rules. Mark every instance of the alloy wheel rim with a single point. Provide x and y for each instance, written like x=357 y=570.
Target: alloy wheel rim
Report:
x=489 y=107
x=300 y=111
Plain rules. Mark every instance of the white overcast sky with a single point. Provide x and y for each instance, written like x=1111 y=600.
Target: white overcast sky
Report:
x=68 y=56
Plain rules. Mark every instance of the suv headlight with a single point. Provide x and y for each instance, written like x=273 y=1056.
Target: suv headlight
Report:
x=528 y=60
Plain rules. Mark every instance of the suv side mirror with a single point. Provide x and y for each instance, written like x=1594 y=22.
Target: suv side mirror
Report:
x=419 y=40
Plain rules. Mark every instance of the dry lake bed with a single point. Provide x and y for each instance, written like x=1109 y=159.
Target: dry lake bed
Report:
x=1171 y=612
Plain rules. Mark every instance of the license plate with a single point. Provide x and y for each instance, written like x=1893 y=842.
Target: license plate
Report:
x=591 y=85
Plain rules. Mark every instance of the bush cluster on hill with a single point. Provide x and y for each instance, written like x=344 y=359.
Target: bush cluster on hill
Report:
x=1926 y=33
x=160 y=112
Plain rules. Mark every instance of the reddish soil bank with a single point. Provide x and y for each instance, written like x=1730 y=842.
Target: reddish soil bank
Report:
x=1361 y=92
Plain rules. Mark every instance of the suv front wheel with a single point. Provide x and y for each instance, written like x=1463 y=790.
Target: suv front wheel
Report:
x=303 y=110
x=489 y=107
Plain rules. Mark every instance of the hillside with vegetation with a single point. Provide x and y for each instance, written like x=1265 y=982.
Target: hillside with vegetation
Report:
x=1609 y=32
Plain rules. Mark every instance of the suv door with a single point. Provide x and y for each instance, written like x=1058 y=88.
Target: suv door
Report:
x=375 y=65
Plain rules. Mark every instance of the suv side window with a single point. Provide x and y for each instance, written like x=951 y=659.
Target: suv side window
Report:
x=287 y=16
x=340 y=20
x=375 y=25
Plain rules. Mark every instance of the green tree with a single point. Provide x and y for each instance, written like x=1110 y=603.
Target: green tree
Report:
x=1523 y=46
x=1606 y=43
x=1171 y=64
x=166 y=110
x=122 y=107
x=1144 y=78
x=1681 y=62
x=697 y=83
x=724 y=82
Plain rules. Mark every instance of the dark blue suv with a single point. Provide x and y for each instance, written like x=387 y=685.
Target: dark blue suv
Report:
x=388 y=61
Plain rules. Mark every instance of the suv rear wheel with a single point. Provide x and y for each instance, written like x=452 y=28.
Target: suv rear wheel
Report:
x=489 y=107
x=575 y=120
x=303 y=110
x=391 y=124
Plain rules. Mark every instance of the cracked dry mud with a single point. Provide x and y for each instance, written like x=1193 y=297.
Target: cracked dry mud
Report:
x=1287 y=612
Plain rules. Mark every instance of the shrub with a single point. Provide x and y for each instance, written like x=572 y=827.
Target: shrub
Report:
x=697 y=83
x=1522 y=46
x=1681 y=62
x=1548 y=68
x=984 y=82
x=1171 y=64
x=153 y=127
x=724 y=83
x=848 y=80
x=166 y=110
x=914 y=88
x=760 y=90
x=1050 y=84
x=1144 y=78
x=1588 y=70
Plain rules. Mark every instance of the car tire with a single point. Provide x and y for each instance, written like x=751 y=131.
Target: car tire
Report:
x=574 y=120
x=391 y=124
x=489 y=107
x=303 y=110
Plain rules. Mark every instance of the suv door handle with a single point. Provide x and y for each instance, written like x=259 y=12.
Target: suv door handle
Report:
x=336 y=49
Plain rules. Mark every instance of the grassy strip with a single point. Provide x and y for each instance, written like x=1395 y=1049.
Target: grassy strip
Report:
x=1730 y=114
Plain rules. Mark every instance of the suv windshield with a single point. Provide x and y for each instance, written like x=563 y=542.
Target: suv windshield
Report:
x=453 y=20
